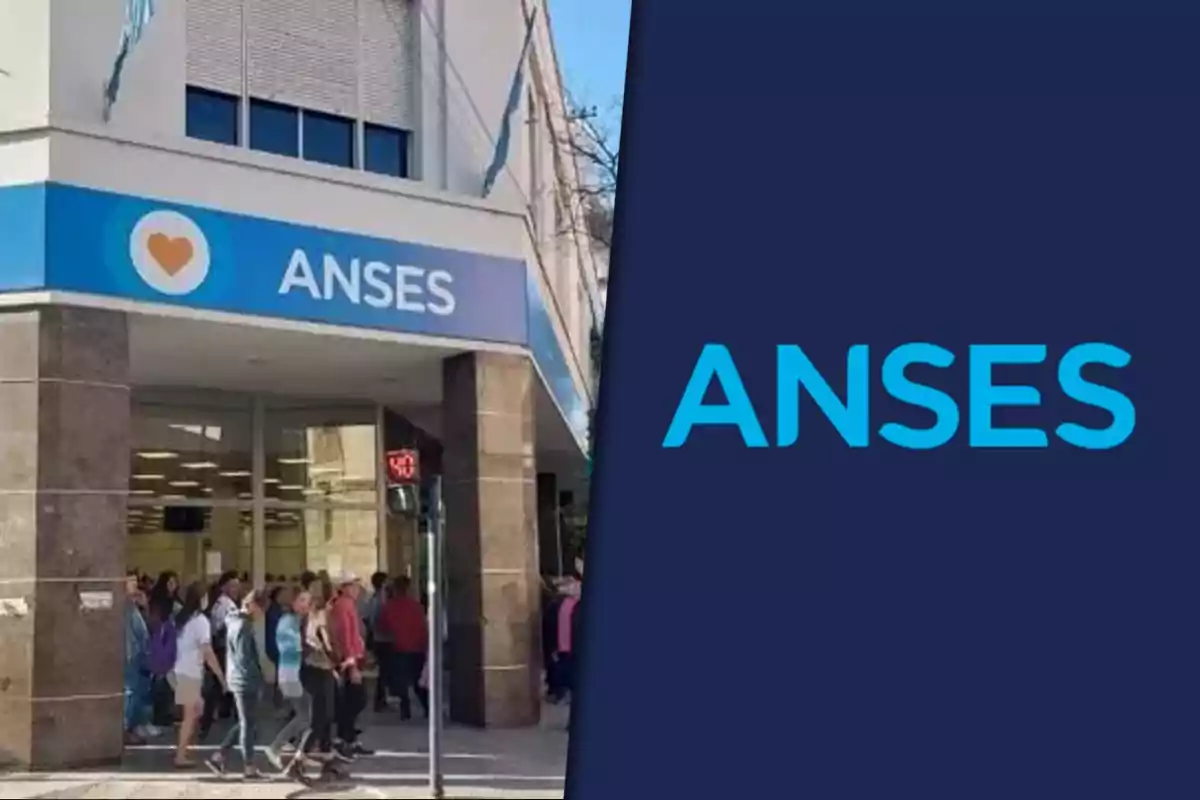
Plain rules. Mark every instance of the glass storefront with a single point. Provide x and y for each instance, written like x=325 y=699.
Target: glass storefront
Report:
x=265 y=487
x=190 y=499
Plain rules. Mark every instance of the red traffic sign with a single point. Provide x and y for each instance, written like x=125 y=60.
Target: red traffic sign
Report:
x=403 y=466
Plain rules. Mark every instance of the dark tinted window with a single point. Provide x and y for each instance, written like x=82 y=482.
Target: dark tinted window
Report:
x=328 y=139
x=212 y=116
x=274 y=128
x=386 y=151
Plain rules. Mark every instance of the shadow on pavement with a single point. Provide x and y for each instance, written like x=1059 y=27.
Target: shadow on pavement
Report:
x=526 y=763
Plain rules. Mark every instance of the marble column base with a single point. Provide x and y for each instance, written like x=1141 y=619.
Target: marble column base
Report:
x=64 y=475
x=492 y=540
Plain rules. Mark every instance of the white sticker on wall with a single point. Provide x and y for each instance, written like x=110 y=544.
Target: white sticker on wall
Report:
x=95 y=601
x=14 y=607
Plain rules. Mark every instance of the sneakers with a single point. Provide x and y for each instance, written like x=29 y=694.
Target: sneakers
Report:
x=359 y=749
x=216 y=766
x=274 y=759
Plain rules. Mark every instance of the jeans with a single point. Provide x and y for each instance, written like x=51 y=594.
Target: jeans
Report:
x=320 y=687
x=300 y=722
x=406 y=677
x=216 y=703
x=162 y=702
x=137 y=697
x=351 y=700
x=384 y=658
x=244 y=732
x=564 y=676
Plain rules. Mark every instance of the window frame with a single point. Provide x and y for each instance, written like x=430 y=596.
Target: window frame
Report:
x=305 y=115
x=273 y=105
x=193 y=91
x=405 y=149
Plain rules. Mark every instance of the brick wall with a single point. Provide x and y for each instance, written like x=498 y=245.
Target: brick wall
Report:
x=354 y=58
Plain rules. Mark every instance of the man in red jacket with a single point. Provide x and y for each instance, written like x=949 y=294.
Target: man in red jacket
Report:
x=345 y=627
x=404 y=619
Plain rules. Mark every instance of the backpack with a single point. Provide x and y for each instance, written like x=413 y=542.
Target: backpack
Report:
x=163 y=648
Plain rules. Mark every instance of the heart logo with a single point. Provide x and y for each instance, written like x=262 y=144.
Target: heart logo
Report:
x=170 y=253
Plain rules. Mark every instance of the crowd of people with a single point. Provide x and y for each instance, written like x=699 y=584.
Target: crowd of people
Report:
x=192 y=656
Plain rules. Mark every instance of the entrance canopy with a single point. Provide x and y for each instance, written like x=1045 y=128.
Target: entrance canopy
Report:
x=184 y=349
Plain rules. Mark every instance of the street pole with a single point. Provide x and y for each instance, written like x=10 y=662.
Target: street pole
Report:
x=437 y=527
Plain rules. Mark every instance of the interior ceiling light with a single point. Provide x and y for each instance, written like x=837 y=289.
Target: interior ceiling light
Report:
x=295 y=460
x=142 y=491
x=271 y=480
x=237 y=473
x=200 y=465
x=245 y=495
x=174 y=497
x=148 y=477
x=291 y=488
x=184 y=484
x=324 y=470
x=157 y=455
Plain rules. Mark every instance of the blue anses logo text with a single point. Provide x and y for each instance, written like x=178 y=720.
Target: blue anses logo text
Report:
x=852 y=419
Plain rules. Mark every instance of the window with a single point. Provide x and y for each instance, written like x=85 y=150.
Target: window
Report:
x=386 y=151
x=328 y=139
x=190 y=502
x=299 y=133
x=212 y=116
x=274 y=128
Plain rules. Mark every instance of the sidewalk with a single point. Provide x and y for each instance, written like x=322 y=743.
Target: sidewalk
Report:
x=477 y=764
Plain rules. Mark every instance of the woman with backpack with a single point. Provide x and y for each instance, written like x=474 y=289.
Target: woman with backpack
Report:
x=161 y=663
x=223 y=600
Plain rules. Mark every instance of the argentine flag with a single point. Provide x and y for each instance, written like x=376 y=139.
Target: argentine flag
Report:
x=138 y=14
x=514 y=102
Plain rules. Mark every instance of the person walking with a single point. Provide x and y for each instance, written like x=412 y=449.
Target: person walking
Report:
x=379 y=640
x=193 y=654
x=565 y=655
x=319 y=677
x=345 y=627
x=244 y=680
x=404 y=621
x=223 y=600
x=552 y=596
x=278 y=602
x=161 y=662
x=136 y=673
x=289 y=642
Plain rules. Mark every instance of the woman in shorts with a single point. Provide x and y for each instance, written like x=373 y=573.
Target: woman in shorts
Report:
x=193 y=653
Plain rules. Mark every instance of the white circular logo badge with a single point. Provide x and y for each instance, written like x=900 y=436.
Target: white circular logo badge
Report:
x=170 y=252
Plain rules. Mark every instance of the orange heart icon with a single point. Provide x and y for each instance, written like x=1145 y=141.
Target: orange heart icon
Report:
x=171 y=254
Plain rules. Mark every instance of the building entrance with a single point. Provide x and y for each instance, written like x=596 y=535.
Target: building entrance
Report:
x=264 y=487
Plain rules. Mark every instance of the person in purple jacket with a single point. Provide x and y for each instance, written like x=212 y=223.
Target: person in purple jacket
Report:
x=161 y=663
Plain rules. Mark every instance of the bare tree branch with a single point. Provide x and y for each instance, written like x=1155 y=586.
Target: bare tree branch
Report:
x=591 y=143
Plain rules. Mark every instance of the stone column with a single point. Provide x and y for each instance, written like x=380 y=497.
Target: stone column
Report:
x=64 y=475
x=549 y=531
x=491 y=540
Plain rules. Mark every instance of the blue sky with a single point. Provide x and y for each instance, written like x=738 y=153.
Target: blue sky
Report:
x=592 y=37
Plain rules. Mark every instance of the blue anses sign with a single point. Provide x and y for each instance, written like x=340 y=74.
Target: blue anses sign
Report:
x=65 y=238
x=208 y=259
